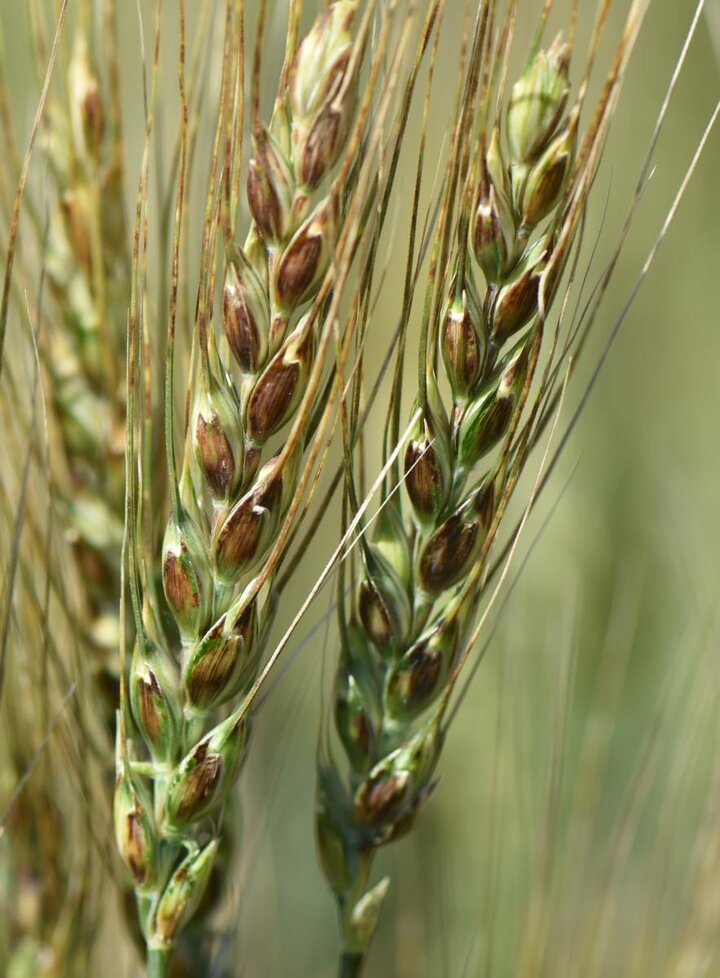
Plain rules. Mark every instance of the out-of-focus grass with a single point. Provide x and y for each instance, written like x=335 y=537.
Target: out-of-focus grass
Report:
x=605 y=647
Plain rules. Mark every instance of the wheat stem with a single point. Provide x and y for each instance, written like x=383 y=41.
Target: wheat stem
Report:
x=157 y=963
x=351 y=964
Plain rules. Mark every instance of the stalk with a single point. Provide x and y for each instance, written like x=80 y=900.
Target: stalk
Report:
x=351 y=964
x=157 y=963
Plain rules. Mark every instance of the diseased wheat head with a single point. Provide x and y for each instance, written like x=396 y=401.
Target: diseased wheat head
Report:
x=516 y=187
x=249 y=378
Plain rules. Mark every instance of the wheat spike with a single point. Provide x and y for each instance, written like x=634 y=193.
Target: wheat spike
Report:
x=511 y=211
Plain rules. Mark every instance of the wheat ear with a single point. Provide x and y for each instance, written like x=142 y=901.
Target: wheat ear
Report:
x=88 y=269
x=76 y=252
x=247 y=382
x=520 y=189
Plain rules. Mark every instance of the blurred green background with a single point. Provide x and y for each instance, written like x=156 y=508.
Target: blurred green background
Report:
x=567 y=835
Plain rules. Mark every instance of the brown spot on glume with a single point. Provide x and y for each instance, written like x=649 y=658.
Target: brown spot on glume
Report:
x=179 y=589
x=423 y=479
x=263 y=200
x=499 y=418
x=483 y=504
x=379 y=796
x=515 y=305
x=214 y=454
x=405 y=819
x=422 y=668
x=461 y=349
x=547 y=191
x=78 y=228
x=321 y=147
x=361 y=732
x=490 y=429
x=488 y=232
x=278 y=329
x=446 y=553
x=240 y=536
x=375 y=614
x=213 y=672
x=271 y=399
x=298 y=267
x=93 y=115
x=253 y=454
x=245 y=624
x=169 y=919
x=134 y=847
x=200 y=784
x=336 y=75
x=241 y=329
x=150 y=692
